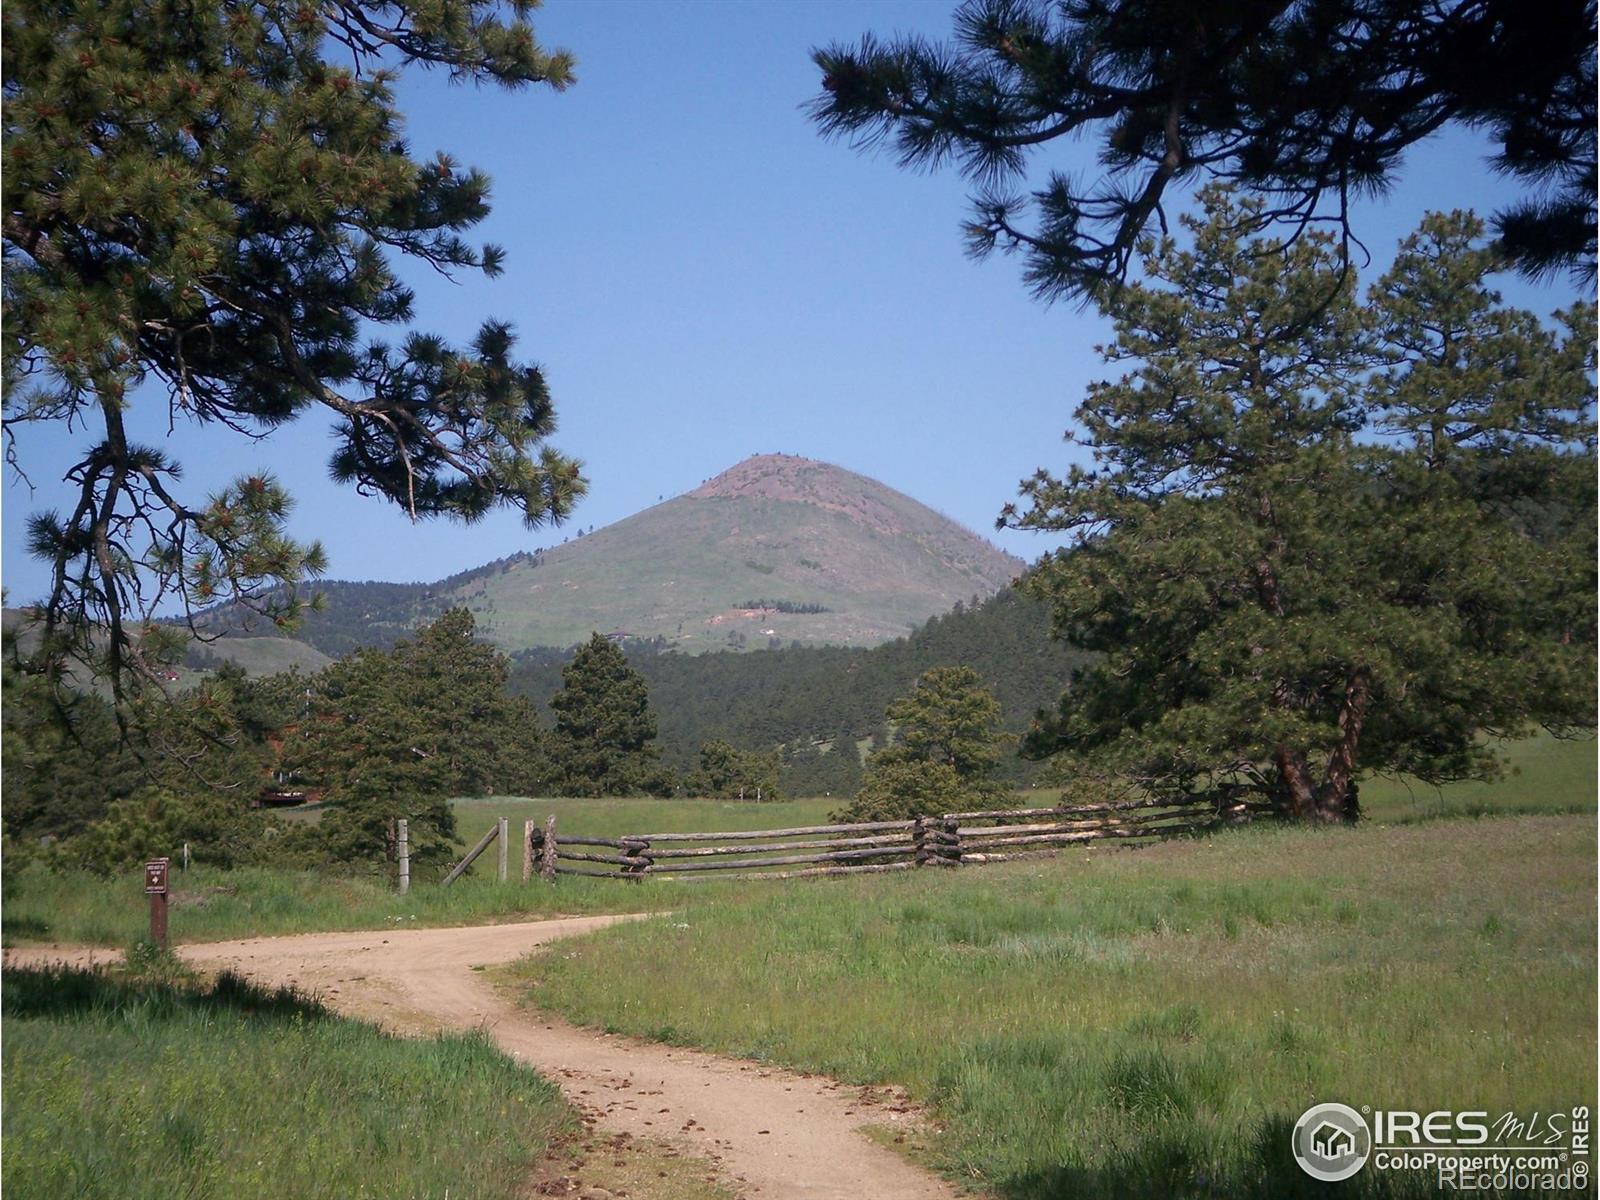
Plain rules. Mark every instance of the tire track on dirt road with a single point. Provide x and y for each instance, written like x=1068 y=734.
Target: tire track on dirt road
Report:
x=775 y=1135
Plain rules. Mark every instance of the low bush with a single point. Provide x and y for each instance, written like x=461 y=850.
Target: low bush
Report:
x=155 y=822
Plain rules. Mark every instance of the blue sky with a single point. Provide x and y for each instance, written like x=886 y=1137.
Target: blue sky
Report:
x=704 y=278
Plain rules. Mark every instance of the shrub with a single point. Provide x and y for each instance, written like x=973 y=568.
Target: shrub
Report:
x=901 y=788
x=155 y=822
x=945 y=757
x=357 y=835
x=728 y=773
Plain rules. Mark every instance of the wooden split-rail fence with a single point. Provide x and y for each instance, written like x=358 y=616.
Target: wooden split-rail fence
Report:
x=868 y=847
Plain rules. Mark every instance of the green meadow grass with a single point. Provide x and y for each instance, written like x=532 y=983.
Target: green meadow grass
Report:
x=211 y=905
x=1107 y=1023
x=1150 y=1022
x=132 y=1089
x=1542 y=774
x=608 y=818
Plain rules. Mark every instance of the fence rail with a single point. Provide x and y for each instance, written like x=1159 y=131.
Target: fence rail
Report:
x=498 y=834
x=867 y=847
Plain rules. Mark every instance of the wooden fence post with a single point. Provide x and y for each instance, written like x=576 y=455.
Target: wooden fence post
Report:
x=951 y=849
x=919 y=842
x=403 y=853
x=504 y=828
x=186 y=856
x=529 y=832
x=547 y=859
x=635 y=848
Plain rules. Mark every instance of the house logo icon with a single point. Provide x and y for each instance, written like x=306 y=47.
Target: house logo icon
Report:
x=1331 y=1142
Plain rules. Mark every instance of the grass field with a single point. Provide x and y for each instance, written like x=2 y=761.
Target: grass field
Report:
x=608 y=818
x=211 y=905
x=1106 y=1023
x=127 y=1088
x=1148 y=1023
x=214 y=905
x=1543 y=775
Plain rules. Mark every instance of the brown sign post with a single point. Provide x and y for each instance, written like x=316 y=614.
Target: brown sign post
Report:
x=155 y=886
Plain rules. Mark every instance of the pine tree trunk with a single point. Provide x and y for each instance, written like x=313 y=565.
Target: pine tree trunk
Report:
x=1336 y=795
x=1296 y=796
x=1334 y=805
x=1335 y=798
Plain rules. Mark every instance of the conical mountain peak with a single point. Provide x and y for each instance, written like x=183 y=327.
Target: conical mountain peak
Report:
x=792 y=479
x=776 y=549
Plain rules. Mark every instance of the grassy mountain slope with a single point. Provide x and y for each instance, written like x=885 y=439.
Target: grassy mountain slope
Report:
x=775 y=550
x=255 y=655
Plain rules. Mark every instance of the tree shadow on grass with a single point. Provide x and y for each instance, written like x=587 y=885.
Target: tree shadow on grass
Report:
x=57 y=991
x=23 y=927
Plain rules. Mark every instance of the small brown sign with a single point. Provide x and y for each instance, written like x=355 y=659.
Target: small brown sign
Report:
x=155 y=876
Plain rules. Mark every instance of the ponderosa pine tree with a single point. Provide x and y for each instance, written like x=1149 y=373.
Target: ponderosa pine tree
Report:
x=397 y=733
x=200 y=202
x=949 y=717
x=486 y=736
x=1319 y=541
x=186 y=770
x=65 y=763
x=605 y=730
x=1305 y=104
x=729 y=773
x=944 y=755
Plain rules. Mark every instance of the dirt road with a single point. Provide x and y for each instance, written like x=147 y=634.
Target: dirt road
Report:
x=773 y=1134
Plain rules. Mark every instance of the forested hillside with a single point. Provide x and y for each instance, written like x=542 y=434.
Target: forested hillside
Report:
x=365 y=613
x=812 y=700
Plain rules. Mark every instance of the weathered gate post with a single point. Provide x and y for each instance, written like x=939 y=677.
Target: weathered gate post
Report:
x=547 y=858
x=503 y=828
x=529 y=832
x=402 y=847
